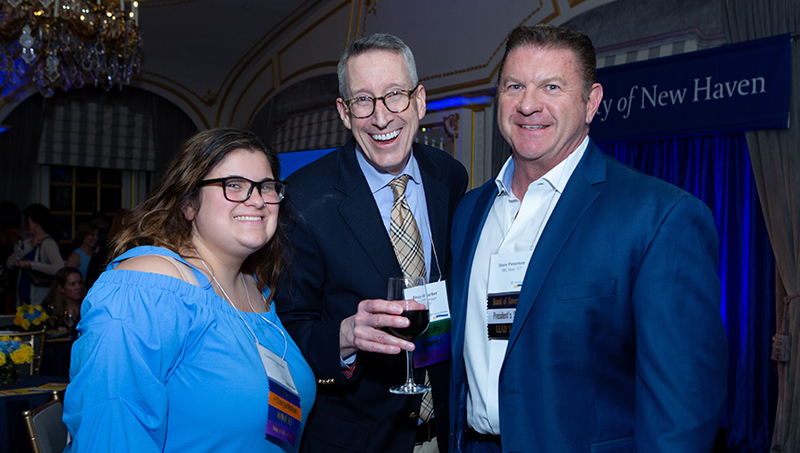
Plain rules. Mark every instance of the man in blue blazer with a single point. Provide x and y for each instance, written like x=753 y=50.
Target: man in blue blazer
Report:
x=331 y=299
x=585 y=298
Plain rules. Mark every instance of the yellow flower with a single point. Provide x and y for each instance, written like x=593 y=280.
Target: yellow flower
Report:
x=2 y=359
x=30 y=314
x=22 y=355
x=5 y=338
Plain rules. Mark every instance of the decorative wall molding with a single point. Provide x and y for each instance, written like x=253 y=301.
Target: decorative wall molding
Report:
x=451 y=123
x=664 y=45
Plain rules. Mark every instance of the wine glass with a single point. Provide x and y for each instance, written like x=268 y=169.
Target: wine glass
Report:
x=70 y=318
x=52 y=319
x=416 y=310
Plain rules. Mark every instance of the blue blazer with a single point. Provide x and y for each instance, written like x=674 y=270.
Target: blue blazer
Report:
x=617 y=344
x=343 y=255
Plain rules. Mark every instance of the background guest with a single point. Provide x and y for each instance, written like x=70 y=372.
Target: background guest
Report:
x=100 y=258
x=63 y=304
x=38 y=253
x=87 y=237
x=10 y=220
x=65 y=296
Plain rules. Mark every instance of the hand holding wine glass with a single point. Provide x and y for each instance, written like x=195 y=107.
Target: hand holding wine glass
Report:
x=416 y=310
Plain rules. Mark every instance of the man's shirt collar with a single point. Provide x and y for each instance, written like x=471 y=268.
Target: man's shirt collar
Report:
x=555 y=177
x=378 y=180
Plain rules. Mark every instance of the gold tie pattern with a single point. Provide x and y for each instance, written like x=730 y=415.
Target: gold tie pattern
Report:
x=404 y=232
x=407 y=244
x=426 y=407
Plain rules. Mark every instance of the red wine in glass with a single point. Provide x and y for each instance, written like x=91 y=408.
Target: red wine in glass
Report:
x=418 y=325
x=416 y=310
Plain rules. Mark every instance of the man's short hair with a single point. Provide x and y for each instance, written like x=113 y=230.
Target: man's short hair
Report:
x=377 y=41
x=551 y=37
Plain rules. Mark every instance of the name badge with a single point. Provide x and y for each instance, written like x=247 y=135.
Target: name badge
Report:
x=434 y=345
x=506 y=273
x=284 y=415
x=437 y=300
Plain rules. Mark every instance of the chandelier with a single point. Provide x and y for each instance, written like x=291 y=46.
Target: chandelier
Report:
x=68 y=43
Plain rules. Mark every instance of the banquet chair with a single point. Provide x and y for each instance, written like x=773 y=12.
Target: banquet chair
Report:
x=46 y=432
x=36 y=341
x=6 y=321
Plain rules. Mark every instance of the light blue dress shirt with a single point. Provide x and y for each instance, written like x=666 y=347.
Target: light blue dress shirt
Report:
x=415 y=195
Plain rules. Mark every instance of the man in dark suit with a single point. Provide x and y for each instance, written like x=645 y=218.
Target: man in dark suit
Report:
x=585 y=295
x=331 y=299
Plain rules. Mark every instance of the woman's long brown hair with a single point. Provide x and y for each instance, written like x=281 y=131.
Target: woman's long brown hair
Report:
x=158 y=220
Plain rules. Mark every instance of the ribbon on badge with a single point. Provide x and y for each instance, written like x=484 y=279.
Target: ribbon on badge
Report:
x=283 y=419
x=500 y=311
x=434 y=345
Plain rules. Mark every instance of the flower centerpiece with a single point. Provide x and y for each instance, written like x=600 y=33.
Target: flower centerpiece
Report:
x=12 y=353
x=30 y=315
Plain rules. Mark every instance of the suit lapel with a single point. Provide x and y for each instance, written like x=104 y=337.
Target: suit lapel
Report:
x=437 y=197
x=580 y=192
x=360 y=213
x=463 y=267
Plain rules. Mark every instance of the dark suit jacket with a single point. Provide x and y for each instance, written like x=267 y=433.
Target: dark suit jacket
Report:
x=342 y=256
x=617 y=344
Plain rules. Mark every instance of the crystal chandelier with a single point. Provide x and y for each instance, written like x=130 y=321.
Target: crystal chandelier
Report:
x=66 y=43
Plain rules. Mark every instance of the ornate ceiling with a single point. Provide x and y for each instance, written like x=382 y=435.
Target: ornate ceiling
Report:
x=222 y=61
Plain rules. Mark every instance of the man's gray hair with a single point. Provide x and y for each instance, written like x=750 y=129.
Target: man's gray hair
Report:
x=377 y=41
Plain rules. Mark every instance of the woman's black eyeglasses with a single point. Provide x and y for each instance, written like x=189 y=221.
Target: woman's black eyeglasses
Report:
x=239 y=189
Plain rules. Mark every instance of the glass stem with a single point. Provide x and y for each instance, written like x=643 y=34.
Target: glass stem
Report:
x=409 y=370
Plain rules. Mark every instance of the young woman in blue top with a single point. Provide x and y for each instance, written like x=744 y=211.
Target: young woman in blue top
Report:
x=168 y=354
x=87 y=235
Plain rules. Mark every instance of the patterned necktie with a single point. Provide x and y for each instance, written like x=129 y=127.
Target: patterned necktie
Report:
x=404 y=232
x=407 y=243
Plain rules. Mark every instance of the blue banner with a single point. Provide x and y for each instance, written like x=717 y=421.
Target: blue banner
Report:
x=737 y=87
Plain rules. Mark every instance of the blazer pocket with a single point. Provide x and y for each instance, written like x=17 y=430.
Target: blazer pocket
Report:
x=624 y=445
x=587 y=290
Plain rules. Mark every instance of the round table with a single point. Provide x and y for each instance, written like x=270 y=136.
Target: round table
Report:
x=13 y=437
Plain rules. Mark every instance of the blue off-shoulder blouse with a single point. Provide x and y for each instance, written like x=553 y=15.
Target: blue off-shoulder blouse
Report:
x=164 y=365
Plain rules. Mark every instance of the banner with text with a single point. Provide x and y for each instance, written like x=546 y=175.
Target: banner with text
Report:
x=741 y=86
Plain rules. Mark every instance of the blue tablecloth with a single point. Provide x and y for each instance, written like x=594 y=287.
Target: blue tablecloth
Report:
x=55 y=357
x=13 y=437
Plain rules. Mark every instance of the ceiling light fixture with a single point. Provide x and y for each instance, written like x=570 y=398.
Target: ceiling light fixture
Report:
x=68 y=43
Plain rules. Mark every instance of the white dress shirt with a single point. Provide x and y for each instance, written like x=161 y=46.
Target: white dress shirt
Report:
x=511 y=226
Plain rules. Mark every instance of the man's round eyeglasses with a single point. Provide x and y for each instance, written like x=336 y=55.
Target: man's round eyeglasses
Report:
x=239 y=189
x=396 y=101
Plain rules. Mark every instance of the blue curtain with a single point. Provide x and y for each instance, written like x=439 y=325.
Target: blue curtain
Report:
x=716 y=169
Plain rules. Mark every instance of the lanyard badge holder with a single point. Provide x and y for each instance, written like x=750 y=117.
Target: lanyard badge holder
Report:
x=434 y=345
x=284 y=413
x=283 y=419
